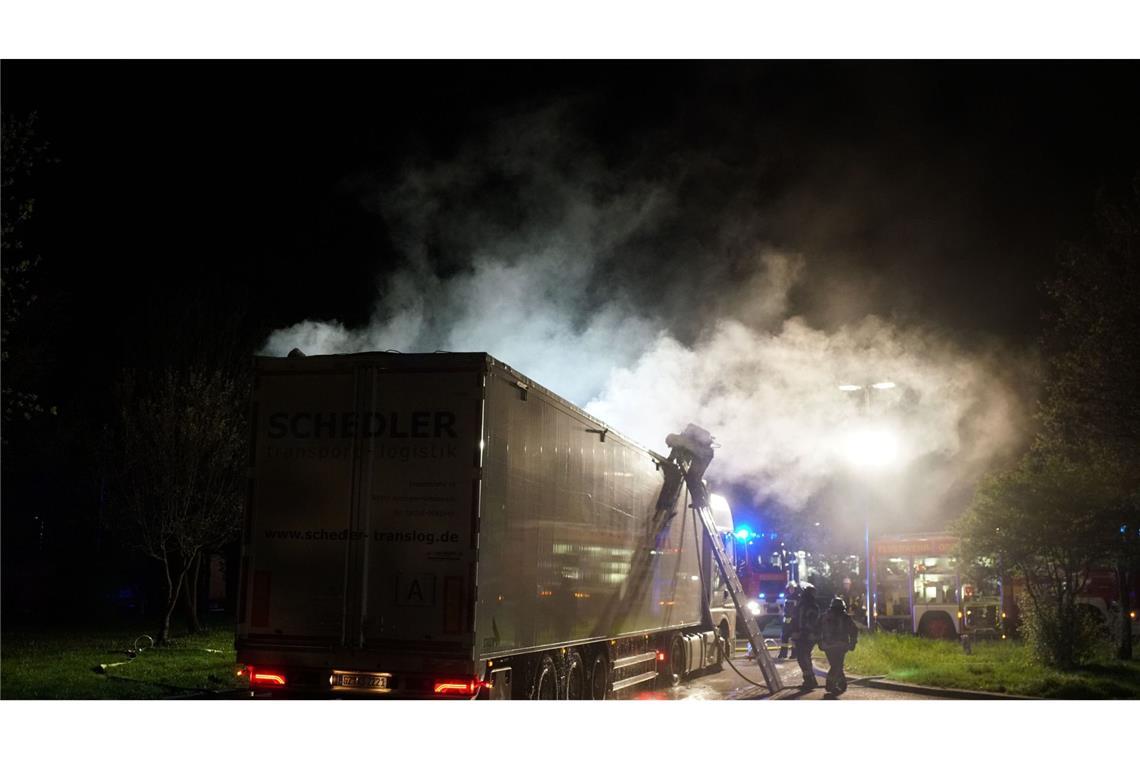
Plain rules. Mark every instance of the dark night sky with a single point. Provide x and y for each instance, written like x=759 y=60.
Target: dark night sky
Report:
x=932 y=192
x=723 y=240
x=947 y=186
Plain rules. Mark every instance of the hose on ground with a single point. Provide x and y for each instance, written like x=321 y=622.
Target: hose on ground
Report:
x=728 y=659
x=140 y=645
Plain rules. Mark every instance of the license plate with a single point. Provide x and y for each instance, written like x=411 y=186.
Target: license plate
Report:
x=362 y=680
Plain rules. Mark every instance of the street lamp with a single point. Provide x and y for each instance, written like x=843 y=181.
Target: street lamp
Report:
x=872 y=448
x=869 y=449
x=884 y=385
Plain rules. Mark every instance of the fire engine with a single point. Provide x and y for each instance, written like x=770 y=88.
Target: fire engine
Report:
x=1098 y=600
x=765 y=567
x=919 y=588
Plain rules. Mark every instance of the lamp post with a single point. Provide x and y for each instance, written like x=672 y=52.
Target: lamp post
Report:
x=869 y=449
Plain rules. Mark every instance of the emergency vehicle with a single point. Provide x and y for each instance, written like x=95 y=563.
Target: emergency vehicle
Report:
x=765 y=567
x=920 y=588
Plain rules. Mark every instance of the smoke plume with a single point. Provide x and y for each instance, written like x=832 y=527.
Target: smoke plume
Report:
x=652 y=304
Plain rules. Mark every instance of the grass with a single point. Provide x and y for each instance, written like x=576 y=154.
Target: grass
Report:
x=997 y=666
x=63 y=664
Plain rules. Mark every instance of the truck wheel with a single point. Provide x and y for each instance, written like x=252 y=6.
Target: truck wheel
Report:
x=937 y=625
x=1093 y=621
x=600 y=676
x=575 y=676
x=675 y=663
x=545 y=679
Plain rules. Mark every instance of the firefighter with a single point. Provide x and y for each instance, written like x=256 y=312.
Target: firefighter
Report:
x=838 y=635
x=848 y=597
x=790 y=594
x=805 y=632
x=853 y=599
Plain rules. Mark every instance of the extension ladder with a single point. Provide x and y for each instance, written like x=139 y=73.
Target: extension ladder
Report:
x=736 y=591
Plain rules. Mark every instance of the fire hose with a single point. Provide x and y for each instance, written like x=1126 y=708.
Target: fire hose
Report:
x=140 y=645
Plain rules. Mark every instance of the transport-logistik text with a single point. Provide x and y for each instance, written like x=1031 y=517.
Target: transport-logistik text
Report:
x=402 y=453
x=415 y=424
x=390 y=536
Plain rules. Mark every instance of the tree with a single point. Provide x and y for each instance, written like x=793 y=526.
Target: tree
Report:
x=21 y=151
x=1092 y=337
x=1051 y=519
x=1091 y=399
x=174 y=460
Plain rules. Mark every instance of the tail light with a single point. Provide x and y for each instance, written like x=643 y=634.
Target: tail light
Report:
x=466 y=688
x=265 y=677
x=661 y=657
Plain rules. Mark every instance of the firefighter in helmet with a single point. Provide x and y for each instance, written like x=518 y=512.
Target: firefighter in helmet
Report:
x=791 y=593
x=852 y=599
x=838 y=635
x=805 y=632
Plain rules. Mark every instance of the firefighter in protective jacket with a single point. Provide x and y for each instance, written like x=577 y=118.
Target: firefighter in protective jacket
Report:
x=838 y=635
x=805 y=632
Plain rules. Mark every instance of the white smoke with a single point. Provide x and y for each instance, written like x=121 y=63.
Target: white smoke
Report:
x=521 y=312
x=551 y=272
x=772 y=400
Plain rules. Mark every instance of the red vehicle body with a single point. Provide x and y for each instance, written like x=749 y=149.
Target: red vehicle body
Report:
x=764 y=569
x=1099 y=598
x=918 y=588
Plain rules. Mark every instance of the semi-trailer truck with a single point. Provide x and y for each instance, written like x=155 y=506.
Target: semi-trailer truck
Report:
x=438 y=525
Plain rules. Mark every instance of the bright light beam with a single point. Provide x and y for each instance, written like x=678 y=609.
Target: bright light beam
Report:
x=872 y=449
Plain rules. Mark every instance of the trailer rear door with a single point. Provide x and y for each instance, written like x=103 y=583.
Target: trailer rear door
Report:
x=422 y=513
x=298 y=520
x=362 y=531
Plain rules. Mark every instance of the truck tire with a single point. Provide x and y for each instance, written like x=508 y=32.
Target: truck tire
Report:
x=1094 y=621
x=575 y=676
x=545 y=684
x=600 y=676
x=675 y=660
x=936 y=625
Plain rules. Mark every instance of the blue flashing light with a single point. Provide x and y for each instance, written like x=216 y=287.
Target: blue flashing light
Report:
x=743 y=534
x=781 y=595
x=763 y=596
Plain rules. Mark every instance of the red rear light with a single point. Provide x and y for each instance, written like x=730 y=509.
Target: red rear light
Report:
x=661 y=657
x=265 y=677
x=463 y=688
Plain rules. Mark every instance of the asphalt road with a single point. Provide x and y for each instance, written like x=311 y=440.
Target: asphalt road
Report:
x=747 y=684
x=729 y=685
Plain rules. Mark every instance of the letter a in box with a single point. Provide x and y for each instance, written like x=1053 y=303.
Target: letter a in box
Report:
x=415 y=590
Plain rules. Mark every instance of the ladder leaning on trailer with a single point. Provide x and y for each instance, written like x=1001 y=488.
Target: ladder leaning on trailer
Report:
x=692 y=452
